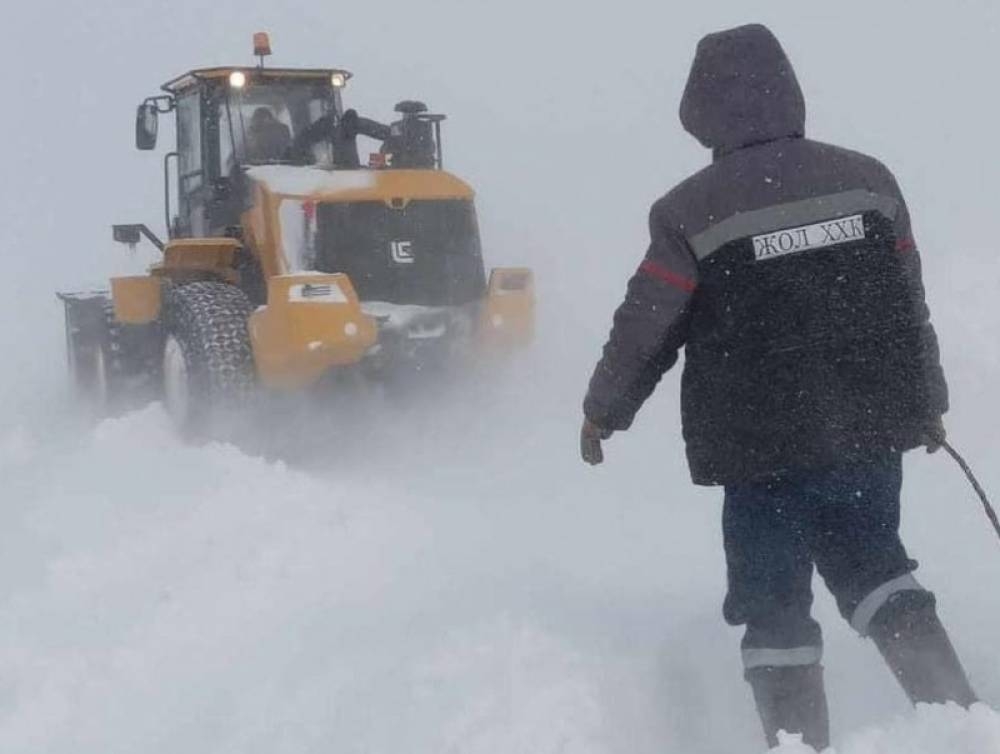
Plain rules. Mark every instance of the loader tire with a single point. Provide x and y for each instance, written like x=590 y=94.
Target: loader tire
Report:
x=208 y=369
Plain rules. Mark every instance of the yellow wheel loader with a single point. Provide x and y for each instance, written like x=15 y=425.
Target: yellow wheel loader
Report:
x=286 y=259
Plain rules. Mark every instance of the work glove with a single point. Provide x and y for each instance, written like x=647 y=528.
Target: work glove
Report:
x=590 y=442
x=935 y=435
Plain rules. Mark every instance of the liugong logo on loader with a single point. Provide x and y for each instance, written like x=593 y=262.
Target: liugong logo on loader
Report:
x=402 y=252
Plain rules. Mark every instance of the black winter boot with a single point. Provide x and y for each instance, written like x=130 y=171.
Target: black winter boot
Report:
x=917 y=649
x=792 y=699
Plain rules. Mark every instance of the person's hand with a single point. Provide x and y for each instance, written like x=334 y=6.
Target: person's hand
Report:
x=590 y=442
x=349 y=123
x=935 y=435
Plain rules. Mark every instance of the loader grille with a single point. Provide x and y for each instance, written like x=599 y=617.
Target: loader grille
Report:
x=424 y=252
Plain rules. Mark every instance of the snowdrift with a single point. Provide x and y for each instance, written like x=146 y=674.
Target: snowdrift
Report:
x=929 y=730
x=167 y=597
x=171 y=597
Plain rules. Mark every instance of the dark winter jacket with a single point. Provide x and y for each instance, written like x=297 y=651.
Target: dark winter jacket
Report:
x=788 y=271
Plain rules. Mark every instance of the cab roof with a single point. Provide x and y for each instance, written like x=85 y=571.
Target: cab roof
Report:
x=200 y=75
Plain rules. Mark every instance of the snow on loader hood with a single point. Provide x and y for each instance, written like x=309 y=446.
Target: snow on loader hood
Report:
x=295 y=180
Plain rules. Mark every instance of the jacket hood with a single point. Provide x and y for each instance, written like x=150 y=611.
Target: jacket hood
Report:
x=742 y=90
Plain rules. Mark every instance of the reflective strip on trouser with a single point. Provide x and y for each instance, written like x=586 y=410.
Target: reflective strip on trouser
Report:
x=781 y=658
x=870 y=605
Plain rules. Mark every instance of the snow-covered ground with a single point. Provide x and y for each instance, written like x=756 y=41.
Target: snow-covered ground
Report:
x=929 y=730
x=453 y=579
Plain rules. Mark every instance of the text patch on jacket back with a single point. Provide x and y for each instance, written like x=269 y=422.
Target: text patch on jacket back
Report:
x=808 y=237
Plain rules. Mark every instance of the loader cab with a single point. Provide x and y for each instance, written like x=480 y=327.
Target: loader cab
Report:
x=230 y=118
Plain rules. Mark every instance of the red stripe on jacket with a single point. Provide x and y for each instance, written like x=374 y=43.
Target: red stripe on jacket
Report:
x=905 y=244
x=660 y=272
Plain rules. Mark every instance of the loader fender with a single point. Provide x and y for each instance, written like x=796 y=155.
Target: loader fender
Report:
x=190 y=259
x=508 y=314
x=137 y=300
x=312 y=322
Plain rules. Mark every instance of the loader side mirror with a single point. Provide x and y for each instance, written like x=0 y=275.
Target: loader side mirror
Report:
x=129 y=234
x=146 y=126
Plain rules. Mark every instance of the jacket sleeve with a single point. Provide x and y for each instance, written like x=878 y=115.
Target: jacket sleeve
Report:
x=935 y=385
x=649 y=328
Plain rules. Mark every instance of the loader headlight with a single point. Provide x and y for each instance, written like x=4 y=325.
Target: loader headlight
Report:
x=237 y=79
x=338 y=80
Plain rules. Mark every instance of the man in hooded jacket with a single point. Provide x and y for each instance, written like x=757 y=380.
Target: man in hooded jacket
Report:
x=788 y=271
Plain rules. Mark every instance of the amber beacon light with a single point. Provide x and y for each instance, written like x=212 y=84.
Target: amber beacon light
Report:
x=261 y=45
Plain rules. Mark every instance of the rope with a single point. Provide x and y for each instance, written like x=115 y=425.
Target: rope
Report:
x=991 y=513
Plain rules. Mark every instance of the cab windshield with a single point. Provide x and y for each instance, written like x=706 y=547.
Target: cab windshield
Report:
x=260 y=122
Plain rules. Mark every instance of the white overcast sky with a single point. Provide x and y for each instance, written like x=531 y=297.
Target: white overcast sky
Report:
x=562 y=114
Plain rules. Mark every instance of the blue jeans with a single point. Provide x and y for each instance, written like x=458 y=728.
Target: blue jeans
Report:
x=845 y=521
